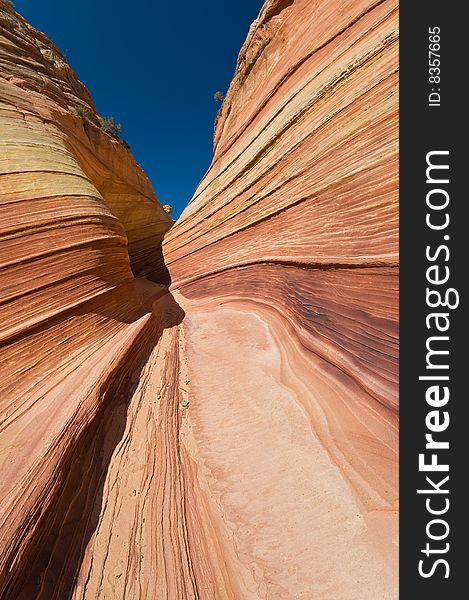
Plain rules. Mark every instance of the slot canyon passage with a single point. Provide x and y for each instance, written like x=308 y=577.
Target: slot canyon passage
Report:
x=205 y=409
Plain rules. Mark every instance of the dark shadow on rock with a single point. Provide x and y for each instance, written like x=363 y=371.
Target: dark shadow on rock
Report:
x=121 y=302
x=48 y=568
x=147 y=260
x=159 y=272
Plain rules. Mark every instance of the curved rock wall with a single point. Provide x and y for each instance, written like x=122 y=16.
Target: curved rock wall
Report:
x=236 y=438
x=60 y=171
x=78 y=219
x=286 y=264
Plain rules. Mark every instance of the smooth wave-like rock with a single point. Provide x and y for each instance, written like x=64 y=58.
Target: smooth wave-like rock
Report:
x=235 y=437
x=286 y=260
x=78 y=222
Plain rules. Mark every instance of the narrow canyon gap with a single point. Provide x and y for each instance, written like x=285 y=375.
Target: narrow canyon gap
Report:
x=206 y=409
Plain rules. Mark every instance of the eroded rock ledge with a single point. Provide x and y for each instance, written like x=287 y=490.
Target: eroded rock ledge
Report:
x=237 y=436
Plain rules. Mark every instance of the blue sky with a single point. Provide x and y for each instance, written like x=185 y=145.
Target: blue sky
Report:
x=154 y=65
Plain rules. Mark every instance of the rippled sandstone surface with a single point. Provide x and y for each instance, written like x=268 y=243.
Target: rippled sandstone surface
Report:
x=235 y=436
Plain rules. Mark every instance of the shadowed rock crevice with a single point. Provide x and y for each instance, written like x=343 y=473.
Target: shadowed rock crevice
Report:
x=140 y=215
x=50 y=558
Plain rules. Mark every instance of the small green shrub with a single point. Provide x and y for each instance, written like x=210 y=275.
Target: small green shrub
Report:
x=218 y=96
x=85 y=113
x=80 y=112
x=109 y=126
x=125 y=143
x=10 y=3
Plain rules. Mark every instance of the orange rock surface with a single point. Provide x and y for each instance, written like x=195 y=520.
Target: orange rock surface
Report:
x=235 y=437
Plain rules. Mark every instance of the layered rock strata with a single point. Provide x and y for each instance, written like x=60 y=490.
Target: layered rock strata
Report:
x=237 y=436
x=287 y=261
x=78 y=222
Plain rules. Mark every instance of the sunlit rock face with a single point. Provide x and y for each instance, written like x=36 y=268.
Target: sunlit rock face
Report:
x=286 y=262
x=237 y=437
x=78 y=220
